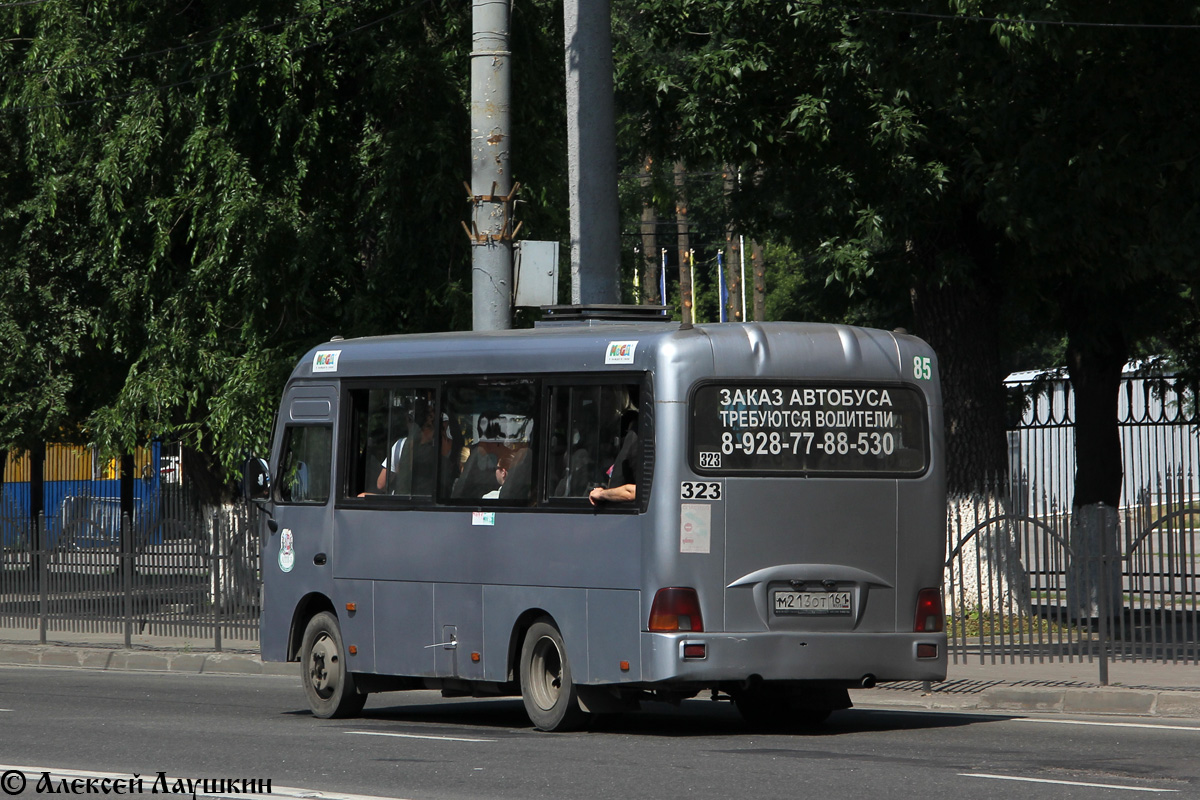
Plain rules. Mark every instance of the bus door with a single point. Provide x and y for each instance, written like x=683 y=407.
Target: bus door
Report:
x=296 y=551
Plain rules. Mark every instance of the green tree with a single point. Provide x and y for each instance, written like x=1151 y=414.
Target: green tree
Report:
x=1014 y=181
x=195 y=194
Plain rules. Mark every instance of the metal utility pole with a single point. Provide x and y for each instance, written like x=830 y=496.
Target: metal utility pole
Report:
x=592 y=153
x=491 y=190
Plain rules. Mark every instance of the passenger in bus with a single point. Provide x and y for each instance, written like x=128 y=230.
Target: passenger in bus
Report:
x=409 y=468
x=519 y=480
x=454 y=453
x=577 y=475
x=503 y=465
x=478 y=475
x=624 y=473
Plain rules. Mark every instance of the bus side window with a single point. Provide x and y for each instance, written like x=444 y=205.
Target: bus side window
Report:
x=591 y=429
x=491 y=429
x=304 y=467
x=395 y=442
x=573 y=420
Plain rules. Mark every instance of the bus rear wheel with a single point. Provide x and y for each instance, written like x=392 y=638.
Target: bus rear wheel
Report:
x=551 y=700
x=328 y=682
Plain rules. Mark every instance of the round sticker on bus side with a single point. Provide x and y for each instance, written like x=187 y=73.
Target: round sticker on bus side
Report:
x=287 y=550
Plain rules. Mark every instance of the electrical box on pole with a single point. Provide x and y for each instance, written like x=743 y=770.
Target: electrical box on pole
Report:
x=536 y=271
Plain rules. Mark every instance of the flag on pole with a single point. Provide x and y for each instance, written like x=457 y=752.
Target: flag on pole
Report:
x=662 y=279
x=722 y=293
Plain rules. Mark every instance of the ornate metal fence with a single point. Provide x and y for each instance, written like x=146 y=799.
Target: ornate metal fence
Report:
x=1030 y=578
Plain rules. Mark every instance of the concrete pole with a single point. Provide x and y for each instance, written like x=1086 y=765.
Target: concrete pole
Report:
x=592 y=153
x=491 y=180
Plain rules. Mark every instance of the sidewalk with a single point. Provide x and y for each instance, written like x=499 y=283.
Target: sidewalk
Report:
x=149 y=653
x=1144 y=689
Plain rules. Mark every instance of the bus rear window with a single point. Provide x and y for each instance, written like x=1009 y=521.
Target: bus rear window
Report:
x=808 y=429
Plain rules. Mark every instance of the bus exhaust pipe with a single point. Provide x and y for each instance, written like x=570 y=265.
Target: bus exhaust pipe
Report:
x=868 y=681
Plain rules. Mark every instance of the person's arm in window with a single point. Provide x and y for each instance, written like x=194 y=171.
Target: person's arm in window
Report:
x=623 y=475
x=615 y=494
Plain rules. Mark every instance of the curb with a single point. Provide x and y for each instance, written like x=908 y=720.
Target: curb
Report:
x=1099 y=700
x=210 y=663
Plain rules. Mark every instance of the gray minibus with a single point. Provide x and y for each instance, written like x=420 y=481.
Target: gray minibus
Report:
x=598 y=512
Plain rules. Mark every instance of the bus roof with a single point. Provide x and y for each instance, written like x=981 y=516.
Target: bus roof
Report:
x=828 y=348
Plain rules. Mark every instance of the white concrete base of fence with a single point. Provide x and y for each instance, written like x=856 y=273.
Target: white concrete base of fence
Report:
x=1094 y=542
x=985 y=569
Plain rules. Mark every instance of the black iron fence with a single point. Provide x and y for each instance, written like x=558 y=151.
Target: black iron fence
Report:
x=1046 y=585
x=1030 y=578
x=197 y=581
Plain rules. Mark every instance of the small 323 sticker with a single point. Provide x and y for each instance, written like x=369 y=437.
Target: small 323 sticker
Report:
x=700 y=490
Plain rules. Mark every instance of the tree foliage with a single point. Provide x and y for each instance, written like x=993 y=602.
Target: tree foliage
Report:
x=196 y=193
x=193 y=194
x=1019 y=171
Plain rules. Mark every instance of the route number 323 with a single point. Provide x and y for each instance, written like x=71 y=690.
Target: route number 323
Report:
x=700 y=490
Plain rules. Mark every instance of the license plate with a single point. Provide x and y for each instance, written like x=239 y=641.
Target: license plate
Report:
x=812 y=602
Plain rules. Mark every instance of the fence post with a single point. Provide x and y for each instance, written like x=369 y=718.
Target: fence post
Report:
x=127 y=577
x=217 y=548
x=43 y=557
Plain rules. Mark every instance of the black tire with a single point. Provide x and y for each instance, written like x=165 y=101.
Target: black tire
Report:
x=328 y=684
x=551 y=700
x=775 y=710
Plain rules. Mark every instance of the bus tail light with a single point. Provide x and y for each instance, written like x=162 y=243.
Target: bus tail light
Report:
x=676 y=609
x=930 y=616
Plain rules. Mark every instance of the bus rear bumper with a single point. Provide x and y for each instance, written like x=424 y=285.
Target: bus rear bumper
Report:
x=845 y=658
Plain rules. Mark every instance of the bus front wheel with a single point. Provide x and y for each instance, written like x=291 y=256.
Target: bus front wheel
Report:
x=550 y=697
x=327 y=681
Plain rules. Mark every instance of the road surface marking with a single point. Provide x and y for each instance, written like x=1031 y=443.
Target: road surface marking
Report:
x=1193 y=728
x=1062 y=783
x=419 y=736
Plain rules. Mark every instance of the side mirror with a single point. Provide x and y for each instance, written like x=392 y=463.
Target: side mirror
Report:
x=256 y=480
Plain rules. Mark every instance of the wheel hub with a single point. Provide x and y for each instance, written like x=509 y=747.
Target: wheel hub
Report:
x=323 y=669
x=546 y=669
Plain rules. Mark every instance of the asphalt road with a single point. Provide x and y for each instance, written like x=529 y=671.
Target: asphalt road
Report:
x=112 y=725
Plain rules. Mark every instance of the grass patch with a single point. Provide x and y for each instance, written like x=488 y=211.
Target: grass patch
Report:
x=982 y=623
x=1189 y=519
